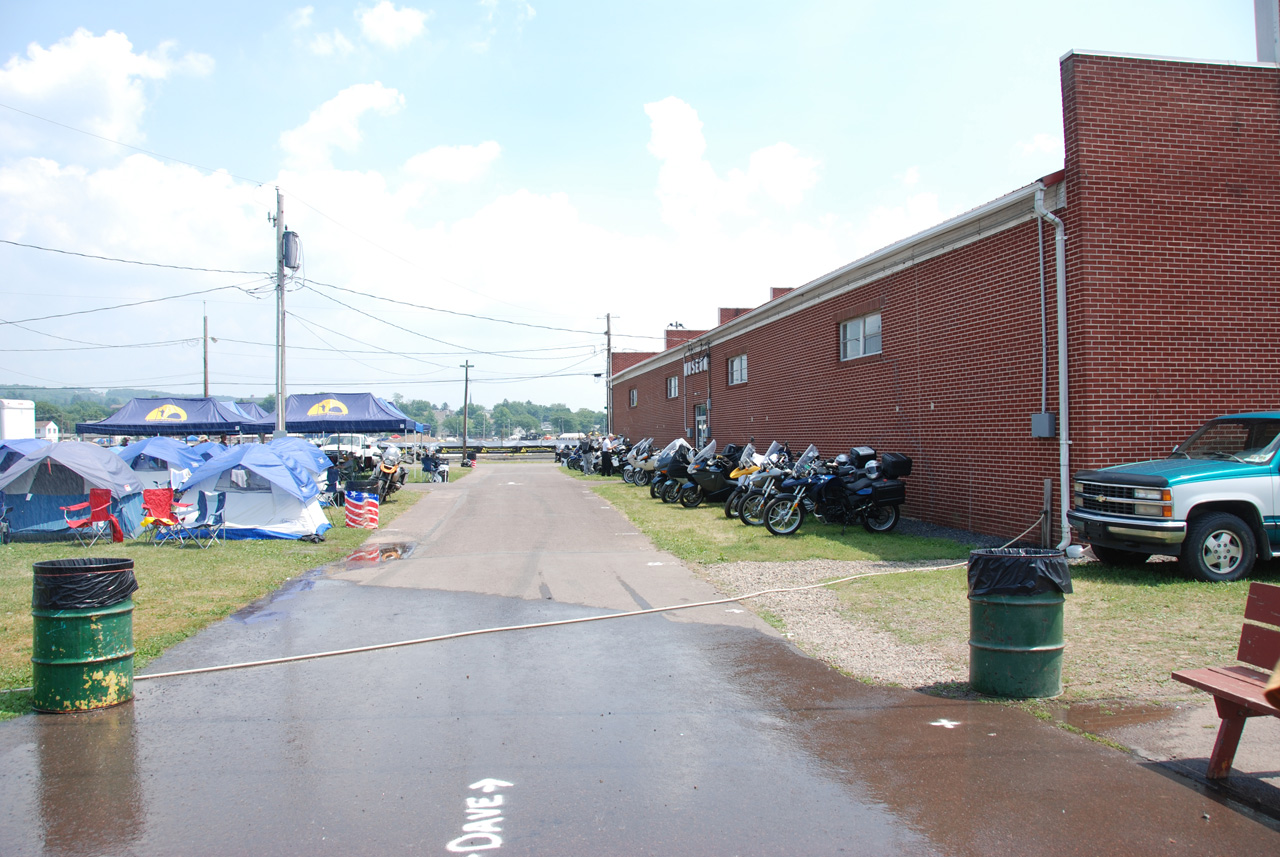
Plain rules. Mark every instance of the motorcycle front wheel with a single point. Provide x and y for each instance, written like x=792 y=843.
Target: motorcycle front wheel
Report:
x=629 y=475
x=655 y=487
x=783 y=515
x=731 y=505
x=670 y=491
x=642 y=477
x=880 y=519
x=751 y=508
x=691 y=497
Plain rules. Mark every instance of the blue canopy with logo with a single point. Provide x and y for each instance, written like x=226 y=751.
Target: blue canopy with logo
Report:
x=323 y=413
x=169 y=416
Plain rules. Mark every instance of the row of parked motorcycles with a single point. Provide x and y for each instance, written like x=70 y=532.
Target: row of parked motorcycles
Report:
x=774 y=489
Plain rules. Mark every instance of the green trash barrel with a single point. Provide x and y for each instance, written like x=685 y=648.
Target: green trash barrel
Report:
x=1016 y=599
x=82 y=645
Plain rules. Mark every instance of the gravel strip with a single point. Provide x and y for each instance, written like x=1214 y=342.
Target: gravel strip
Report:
x=814 y=621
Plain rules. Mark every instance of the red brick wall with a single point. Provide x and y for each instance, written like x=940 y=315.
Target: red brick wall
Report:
x=1173 y=190
x=730 y=313
x=1173 y=171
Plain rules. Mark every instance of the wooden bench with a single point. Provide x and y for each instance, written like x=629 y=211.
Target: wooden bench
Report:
x=1237 y=690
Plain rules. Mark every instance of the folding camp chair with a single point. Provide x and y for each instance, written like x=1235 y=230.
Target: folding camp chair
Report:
x=99 y=523
x=161 y=517
x=208 y=526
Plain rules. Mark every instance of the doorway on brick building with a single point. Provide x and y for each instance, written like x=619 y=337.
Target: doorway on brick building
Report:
x=699 y=426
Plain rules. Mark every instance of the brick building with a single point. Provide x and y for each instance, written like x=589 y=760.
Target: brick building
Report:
x=945 y=346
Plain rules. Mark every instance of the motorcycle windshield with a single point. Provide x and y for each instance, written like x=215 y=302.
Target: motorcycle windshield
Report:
x=705 y=453
x=806 y=461
x=748 y=456
x=775 y=450
x=673 y=446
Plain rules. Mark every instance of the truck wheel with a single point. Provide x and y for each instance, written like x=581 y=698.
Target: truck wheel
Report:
x=1219 y=547
x=1116 y=556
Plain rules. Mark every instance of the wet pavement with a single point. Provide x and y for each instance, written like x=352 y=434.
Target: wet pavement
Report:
x=697 y=732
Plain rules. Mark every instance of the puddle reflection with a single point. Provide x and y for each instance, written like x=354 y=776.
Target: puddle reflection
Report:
x=374 y=554
x=90 y=792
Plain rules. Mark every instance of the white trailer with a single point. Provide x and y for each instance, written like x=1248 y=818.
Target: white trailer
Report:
x=17 y=419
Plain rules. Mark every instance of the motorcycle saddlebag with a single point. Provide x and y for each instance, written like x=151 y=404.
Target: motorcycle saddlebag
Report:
x=895 y=465
x=888 y=492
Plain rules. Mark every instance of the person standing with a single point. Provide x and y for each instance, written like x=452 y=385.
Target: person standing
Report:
x=606 y=455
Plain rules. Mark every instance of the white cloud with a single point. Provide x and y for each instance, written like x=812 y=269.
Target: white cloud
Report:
x=693 y=196
x=336 y=124
x=95 y=82
x=911 y=177
x=390 y=27
x=300 y=18
x=458 y=164
x=330 y=44
x=1040 y=144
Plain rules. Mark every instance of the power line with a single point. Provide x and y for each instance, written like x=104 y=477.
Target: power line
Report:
x=21 y=321
x=130 y=261
x=127 y=146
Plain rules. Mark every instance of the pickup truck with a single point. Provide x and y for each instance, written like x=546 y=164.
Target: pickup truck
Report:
x=357 y=446
x=1212 y=503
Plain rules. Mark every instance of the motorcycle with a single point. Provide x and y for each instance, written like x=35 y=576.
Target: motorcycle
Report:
x=765 y=484
x=677 y=452
x=709 y=476
x=854 y=488
x=391 y=473
x=434 y=467
x=630 y=468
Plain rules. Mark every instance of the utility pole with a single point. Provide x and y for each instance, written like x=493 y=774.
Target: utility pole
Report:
x=280 y=381
x=608 y=374
x=466 y=401
x=206 y=349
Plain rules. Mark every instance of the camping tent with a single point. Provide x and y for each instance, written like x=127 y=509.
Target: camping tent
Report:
x=269 y=496
x=208 y=449
x=168 y=416
x=61 y=474
x=160 y=462
x=307 y=455
x=12 y=450
x=327 y=413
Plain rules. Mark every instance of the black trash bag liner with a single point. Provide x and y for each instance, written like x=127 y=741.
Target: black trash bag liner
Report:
x=1018 y=571
x=81 y=584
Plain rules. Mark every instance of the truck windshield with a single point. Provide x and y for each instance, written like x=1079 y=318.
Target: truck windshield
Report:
x=1251 y=441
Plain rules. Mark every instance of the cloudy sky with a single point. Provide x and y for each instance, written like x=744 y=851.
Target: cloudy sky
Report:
x=484 y=181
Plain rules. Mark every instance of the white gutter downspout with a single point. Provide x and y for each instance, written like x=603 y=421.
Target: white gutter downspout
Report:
x=1064 y=436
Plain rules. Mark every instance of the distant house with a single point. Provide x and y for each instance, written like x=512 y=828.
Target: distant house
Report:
x=48 y=430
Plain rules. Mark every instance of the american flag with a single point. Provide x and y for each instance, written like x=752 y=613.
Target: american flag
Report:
x=362 y=510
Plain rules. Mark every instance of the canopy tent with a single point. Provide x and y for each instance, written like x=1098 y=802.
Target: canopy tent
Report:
x=160 y=462
x=12 y=450
x=413 y=425
x=61 y=474
x=168 y=416
x=327 y=413
x=250 y=409
x=269 y=495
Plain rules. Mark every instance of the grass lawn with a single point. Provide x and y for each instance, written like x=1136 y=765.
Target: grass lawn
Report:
x=1126 y=629
x=180 y=589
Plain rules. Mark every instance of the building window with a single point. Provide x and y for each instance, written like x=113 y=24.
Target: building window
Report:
x=632 y=395
x=860 y=336
x=738 y=369
x=673 y=387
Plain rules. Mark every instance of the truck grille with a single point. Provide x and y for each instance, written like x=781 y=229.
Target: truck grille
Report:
x=1109 y=499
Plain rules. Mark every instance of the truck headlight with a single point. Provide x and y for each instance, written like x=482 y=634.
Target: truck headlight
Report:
x=1148 y=510
x=1149 y=494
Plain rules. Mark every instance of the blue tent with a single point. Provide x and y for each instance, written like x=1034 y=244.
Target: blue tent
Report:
x=326 y=413
x=413 y=424
x=307 y=455
x=250 y=410
x=12 y=450
x=61 y=474
x=209 y=449
x=177 y=454
x=269 y=495
x=168 y=416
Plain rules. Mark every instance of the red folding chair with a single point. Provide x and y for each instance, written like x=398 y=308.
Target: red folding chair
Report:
x=160 y=515
x=100 y=521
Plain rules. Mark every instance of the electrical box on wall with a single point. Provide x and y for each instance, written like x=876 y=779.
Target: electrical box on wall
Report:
x=1044 y=425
